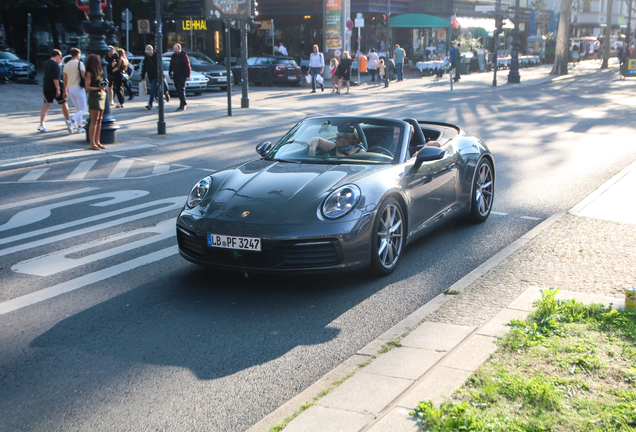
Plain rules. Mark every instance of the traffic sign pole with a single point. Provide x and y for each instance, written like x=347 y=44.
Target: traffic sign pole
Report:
x=126 y=15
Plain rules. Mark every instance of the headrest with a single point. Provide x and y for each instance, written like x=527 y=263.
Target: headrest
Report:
x=346 y=129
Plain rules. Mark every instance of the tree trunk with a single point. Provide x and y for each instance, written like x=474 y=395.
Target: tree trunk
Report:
x=560 y=66
x=608 y=32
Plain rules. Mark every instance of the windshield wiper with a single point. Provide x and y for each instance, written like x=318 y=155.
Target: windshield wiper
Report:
x=285 y=160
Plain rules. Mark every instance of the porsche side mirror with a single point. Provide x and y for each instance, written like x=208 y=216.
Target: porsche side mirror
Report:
x=428 y=154
x=263 y=148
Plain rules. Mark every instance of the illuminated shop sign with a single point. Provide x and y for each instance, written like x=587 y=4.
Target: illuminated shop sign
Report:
x=194 y=24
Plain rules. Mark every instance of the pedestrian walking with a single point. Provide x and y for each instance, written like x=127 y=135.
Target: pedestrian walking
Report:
x=282 y=50
x=120 y=72
x=316 y=67
x=398 y=57
x=456 y=60
x=333 y=68
x=344 y=71
x=381 y=70
x=372 y=63
x=95 y=86
x=53 y=90
x=111 y=59
x=74 y=75
x=149 y=68
x=180 y=73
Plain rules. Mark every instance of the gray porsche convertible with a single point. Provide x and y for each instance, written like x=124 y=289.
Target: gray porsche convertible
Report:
x=335 y=194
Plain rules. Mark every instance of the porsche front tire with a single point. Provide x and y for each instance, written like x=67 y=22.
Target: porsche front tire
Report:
x=387 y=243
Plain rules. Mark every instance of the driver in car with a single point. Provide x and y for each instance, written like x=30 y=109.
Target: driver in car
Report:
x=346 y=144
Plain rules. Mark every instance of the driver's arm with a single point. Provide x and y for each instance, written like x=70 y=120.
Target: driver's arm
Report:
x=319 y=143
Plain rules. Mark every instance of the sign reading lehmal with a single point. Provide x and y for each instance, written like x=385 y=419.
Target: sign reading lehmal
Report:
x=195 y=24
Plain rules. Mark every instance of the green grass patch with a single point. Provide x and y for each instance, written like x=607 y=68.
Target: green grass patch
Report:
x=568 y=367
x=390 y=345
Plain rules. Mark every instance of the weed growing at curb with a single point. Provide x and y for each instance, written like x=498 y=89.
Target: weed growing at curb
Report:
x=568 y=367
x=389 y=345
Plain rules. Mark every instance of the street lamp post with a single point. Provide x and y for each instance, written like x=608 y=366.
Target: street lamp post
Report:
x=96 y=28
x=161 y=122
x=513 y=76
x=388 y=43
x=108 y=17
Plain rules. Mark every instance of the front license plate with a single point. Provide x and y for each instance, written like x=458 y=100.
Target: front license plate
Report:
x=222 y=79
x=233 y=242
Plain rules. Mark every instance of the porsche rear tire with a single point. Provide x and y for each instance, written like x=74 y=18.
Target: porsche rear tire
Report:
x=483 y=192
x=387 y=243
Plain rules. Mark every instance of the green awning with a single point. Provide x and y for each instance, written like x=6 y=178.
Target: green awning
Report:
x=418 y=21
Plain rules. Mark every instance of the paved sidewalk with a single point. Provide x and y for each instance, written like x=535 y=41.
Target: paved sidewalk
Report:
x=22 y=145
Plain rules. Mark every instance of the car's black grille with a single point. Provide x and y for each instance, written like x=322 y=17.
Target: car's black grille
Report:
x=190 y=243
x=310 y=254
x=274 y=254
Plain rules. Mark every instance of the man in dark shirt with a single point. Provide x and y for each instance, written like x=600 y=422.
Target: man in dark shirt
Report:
x=149 y=67
x=180 y=73
x=53 y=90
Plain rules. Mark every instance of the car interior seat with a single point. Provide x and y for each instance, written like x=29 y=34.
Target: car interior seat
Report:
x=419 y=140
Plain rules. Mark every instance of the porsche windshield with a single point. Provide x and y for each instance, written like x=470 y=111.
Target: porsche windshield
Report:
x=341 y=140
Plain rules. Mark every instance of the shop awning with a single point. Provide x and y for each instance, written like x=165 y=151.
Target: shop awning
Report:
x=418 y=21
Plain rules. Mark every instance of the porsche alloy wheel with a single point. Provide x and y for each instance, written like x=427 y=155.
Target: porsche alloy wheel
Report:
x=388 y=238
x=483 y=192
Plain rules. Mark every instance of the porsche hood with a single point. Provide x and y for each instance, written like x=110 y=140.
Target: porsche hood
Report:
x=266 y=192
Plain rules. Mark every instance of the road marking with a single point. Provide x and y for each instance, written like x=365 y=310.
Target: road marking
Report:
x=160 y=168
x=175 y=203
x=40 y=200
x=121 y=169
x=82 y=281
x=58 y=262
x=81 y=170
x=530 y=218
x=33 y=175
x=27 y=217
x=499 y=214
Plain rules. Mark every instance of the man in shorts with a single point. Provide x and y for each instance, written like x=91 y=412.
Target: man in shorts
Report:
x=53 y=90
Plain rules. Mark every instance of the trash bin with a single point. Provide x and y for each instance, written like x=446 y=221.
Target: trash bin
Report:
x=464 y=67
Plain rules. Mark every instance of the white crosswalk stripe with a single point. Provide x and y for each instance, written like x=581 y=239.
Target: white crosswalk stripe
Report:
x=33 y=175
x=121 y=169
x=82 y=169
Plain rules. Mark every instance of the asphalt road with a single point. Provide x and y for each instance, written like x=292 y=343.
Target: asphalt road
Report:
x=148 y=341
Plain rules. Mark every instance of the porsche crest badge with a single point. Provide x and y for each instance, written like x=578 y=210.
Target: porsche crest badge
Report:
x=245 y=213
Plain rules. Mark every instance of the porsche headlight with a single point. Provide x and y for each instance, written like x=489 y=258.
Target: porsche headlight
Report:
x=341 y=201
x=198 y=192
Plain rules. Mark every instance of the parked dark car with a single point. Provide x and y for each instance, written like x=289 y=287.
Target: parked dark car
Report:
x=269 y=69
x=214 y=72
x=21 y=68
x=306 y=204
